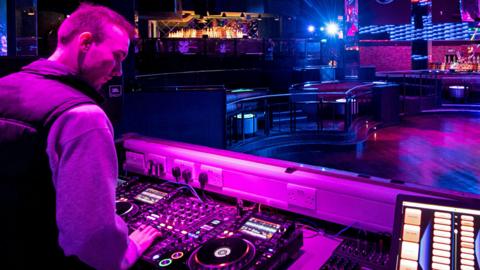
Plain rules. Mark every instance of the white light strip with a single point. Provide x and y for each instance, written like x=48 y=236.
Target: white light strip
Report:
x=442 y=208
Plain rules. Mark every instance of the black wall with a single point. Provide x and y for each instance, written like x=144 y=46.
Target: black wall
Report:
x=446 y=11
x=381 y=12
x=195 y=116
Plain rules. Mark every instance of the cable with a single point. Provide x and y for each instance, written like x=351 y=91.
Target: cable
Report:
x=191 y=189
x=317 y=232
x=343 y=230
x=206 y=197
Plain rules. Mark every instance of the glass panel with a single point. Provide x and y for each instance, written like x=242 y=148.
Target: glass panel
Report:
x=3 y=27
x=26 y=22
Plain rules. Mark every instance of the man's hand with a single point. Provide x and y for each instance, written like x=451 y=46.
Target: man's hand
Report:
x=144 y=237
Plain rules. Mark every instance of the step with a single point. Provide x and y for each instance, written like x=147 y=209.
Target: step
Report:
x=286 y=119
x=286 y=112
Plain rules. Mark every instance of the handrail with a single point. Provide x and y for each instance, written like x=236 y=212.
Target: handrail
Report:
x=349 y=109
x=188 y=87
x=280 y=95
x=191 y=72
x=346 y=93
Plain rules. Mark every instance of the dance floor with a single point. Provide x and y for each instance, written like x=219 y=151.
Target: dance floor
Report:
x=439 y=150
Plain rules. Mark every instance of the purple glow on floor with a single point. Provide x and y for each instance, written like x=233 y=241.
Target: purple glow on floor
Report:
x=438 y=150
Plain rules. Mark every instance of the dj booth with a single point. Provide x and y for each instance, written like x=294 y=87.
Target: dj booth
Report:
x=219 y=209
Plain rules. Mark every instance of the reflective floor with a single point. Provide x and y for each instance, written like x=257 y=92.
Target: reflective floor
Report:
x=439 y=150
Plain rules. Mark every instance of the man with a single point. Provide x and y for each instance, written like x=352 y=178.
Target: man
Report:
x=58 y=166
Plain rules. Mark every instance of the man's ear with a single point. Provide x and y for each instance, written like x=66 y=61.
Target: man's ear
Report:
x=85 y=40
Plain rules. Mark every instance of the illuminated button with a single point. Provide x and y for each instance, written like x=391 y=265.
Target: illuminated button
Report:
x=441 y=260
x=441 y=240
x=162 y=224
x=441 y=253
x=441 y=227
x=165 y=262
x=169 y=227
x=467 y=256
x=441 y=247
x=467 y=239
x=439 y=266
x=408 y=265
x=411 y=233
x=177 y=255
x=467 y=223
x=410 y=251
x=443 y=215
x=467 y=250
x=156 y=257
x=442 y=221
x=467 y=218
x=413 y=216
x=467 y=262
x=184 y=232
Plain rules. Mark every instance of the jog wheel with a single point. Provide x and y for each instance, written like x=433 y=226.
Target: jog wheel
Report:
x=126 y=208
x=222 y=253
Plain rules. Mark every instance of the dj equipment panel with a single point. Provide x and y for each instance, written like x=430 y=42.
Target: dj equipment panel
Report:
x=206 y=203
x=354 y=254
x=202 y=233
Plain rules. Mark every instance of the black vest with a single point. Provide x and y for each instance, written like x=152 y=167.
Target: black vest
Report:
x=30 y=102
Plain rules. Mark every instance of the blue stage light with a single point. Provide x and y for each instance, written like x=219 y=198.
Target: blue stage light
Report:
x=332 y=29
x=311 y=28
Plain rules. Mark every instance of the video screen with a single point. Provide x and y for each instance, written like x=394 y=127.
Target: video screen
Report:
x=150 y=196
x=470 y=10
x=259 y=228
x=3 y=28
x=433 y=236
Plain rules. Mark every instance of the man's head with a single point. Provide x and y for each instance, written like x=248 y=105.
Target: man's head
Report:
x=94 y=41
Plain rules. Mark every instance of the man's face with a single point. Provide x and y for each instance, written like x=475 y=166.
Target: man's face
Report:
x=102 y=61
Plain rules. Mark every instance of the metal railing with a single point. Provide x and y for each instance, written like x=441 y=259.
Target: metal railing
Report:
x=301 y=111
x=420 y=90
x=293 y=47
x=427 y=90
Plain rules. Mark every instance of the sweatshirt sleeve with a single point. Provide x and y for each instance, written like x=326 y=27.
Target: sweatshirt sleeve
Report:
x=83 y=160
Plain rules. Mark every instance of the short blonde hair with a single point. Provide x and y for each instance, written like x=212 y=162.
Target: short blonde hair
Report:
x=95 y=19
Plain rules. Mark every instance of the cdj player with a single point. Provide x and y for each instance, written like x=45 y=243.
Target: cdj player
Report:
x=202 y=233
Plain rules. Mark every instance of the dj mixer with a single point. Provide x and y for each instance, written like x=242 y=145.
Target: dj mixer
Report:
x=199 y=232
